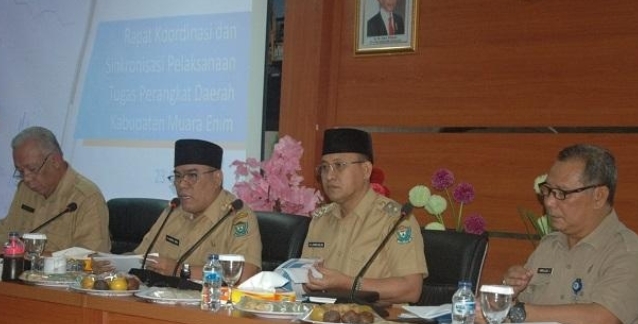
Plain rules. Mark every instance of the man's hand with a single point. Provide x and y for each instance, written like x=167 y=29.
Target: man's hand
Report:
x=330 y=279
x=518 y=277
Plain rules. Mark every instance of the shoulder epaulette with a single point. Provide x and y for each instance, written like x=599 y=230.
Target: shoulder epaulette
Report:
x=391 y=208
x=322 y=210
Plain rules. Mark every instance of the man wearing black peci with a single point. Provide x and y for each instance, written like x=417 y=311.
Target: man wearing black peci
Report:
x=345 y=234
x=48 y=187
x=203 y=203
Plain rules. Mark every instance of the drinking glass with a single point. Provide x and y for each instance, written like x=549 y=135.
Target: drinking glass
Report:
x=495 y=302
x=232 y=267
x=34 y=245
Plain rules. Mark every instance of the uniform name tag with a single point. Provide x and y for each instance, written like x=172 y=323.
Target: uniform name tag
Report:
x=544 y=270
x=172 y=240
x=316 y=245
x=27 y=208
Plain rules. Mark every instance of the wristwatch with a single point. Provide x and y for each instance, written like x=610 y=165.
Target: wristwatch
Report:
x=517 y=313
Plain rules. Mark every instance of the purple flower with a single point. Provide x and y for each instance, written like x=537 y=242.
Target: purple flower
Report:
x=474 y=223
x=442 y=179
x=464 y=193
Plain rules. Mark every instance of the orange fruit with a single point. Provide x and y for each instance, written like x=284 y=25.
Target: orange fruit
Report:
x=118 y=283
x=88 y=282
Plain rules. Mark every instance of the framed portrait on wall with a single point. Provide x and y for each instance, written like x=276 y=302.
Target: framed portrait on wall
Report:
x=385 y=26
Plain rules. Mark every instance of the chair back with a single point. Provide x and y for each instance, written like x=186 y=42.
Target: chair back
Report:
x=282 y=237
x=451 y=257
x=130 y=219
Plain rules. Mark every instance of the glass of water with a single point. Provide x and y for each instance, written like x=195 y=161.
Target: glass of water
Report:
x=34 y=245
x=232 y=267
x=496 y=301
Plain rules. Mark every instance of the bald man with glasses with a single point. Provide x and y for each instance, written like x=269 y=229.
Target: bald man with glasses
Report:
x=47 y=184
x=586 y=271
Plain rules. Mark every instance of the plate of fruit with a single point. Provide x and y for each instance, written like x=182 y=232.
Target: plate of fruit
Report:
x=109 y=285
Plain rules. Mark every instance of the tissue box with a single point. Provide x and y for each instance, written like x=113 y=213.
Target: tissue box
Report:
x=278 y=295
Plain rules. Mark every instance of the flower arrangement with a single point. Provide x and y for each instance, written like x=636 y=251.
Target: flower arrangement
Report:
x=457 y=197
x=376 y=182
x=275 y=184
x=538 y=222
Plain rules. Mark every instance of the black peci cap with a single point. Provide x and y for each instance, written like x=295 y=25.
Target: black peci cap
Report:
x=193 y=151
x=347 y=140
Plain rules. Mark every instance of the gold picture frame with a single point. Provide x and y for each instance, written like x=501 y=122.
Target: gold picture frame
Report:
x=374 y=34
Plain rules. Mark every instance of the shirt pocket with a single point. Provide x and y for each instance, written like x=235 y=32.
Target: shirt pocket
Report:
x=539 y=284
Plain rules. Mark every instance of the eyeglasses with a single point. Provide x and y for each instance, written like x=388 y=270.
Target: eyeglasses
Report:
x=560 y=194
x=19 y=174
x=190 y=177
x=324 y=168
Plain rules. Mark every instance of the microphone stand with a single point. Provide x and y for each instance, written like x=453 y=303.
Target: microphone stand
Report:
x=174 y=203
x=69 y=208
x=405 y=211
x=235 y=205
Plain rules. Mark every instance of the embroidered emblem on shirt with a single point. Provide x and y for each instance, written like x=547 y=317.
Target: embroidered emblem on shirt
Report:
x=544 y=270
x=404 y=235
x=240 y=229
x=319 y=245
x=27 y=208
x=172 y=240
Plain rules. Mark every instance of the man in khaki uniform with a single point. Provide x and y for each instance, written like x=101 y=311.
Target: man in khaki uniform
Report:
x=198 y=179
x=344 y=234
x=587 y=270
x=47 y=186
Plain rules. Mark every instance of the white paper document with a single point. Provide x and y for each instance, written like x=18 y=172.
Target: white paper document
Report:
x=297 y=270
x=429 y=311
x=122 y=262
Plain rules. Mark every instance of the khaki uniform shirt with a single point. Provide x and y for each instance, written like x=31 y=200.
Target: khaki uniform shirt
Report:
x=86 y=227
x=238 y=234
x=346 y=243
x=602 y=268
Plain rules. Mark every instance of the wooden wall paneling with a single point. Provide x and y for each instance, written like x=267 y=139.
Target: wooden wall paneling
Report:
x=516 y=63
x=305 y=70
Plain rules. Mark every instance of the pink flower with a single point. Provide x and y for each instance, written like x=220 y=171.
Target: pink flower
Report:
x=442 y=179
x=464 y=193
x=275 y=184
x=474 y=223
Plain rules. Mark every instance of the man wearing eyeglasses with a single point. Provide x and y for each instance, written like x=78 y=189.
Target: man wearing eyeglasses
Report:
x=344 y=234
x=47 y=184
x=586 y=271
x=198 y=179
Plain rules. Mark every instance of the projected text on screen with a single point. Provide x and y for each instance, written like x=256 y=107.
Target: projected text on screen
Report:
x=168 y=78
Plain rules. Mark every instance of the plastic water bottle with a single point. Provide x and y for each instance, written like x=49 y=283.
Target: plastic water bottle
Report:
x=13 y=259
x=211 y=283
x=463 y=303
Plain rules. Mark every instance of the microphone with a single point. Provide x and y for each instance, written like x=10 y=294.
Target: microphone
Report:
x=69 y=209
x=173 y=204
x=406 y=210
x=236 y=205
